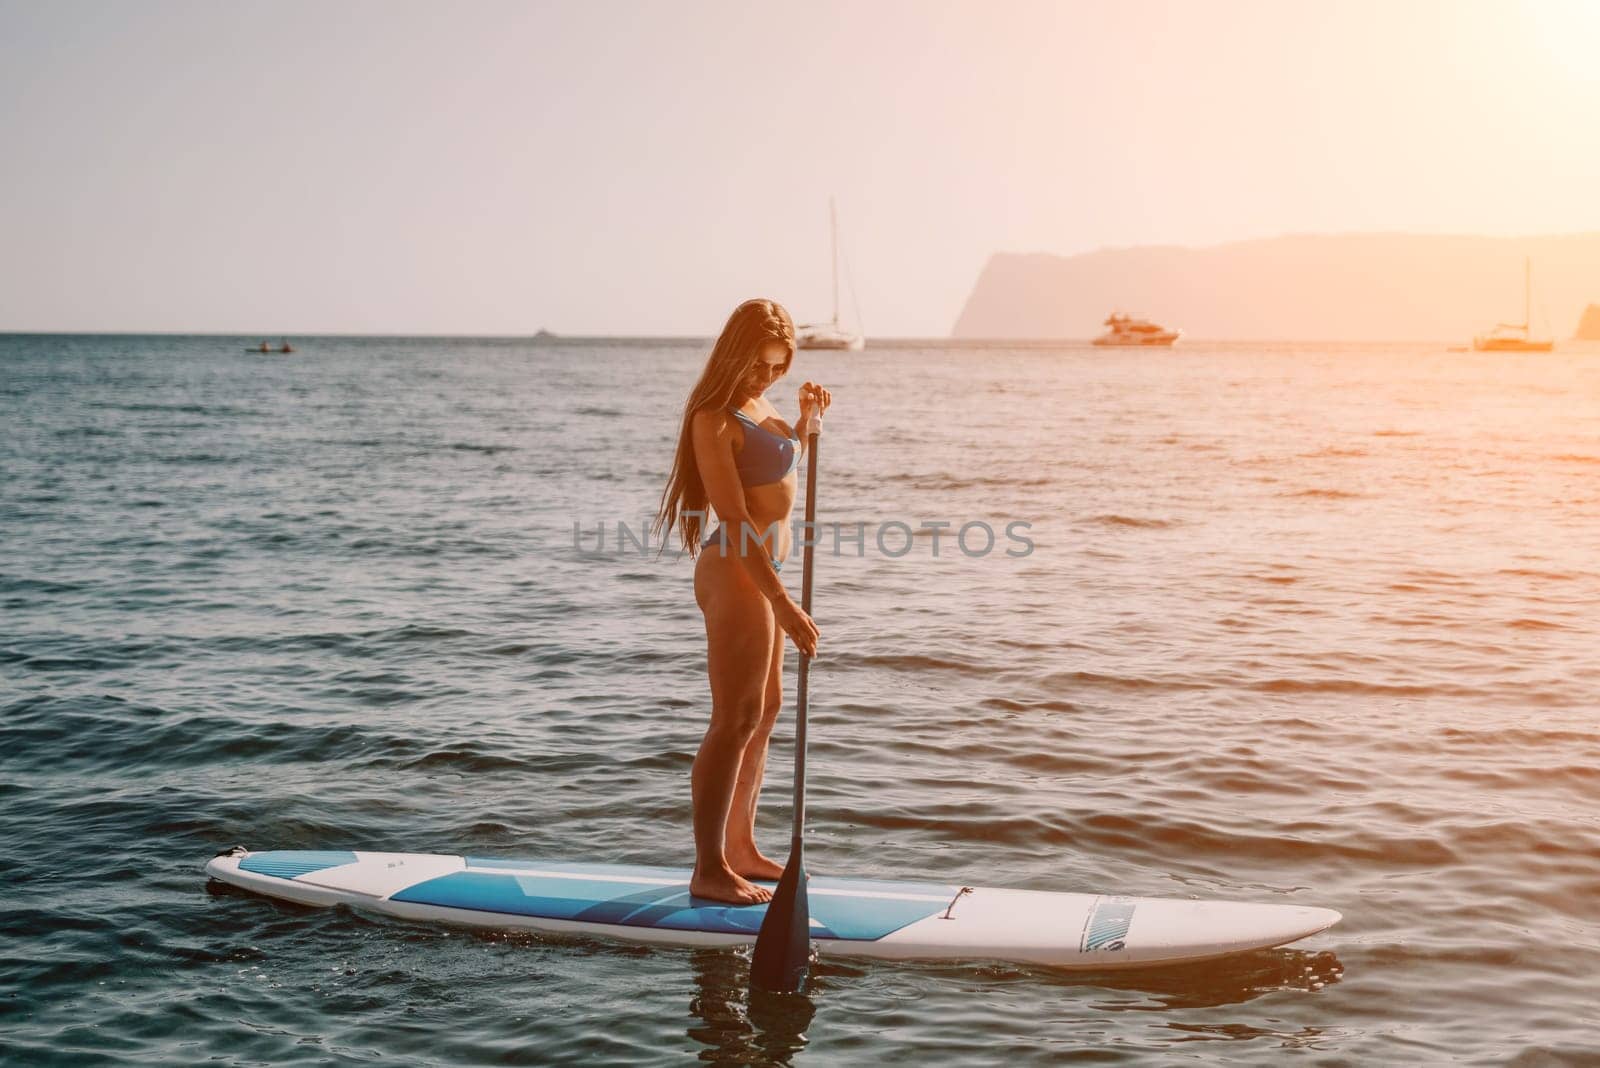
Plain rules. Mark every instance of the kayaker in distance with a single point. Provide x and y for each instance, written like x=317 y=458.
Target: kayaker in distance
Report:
x=737 y=455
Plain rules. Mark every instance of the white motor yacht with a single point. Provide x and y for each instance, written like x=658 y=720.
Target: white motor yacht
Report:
x=1125 y=330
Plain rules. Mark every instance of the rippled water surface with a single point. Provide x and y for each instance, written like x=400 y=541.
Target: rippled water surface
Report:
x=1308 y=624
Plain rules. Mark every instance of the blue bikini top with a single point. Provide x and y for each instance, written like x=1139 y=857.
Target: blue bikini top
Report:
x=766 y=456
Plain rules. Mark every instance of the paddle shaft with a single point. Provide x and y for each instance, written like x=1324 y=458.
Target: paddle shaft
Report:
x=783 y=947
x=782 y=957
x=806 y=569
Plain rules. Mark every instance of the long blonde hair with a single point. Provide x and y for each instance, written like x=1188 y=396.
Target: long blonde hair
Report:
x=749 y=328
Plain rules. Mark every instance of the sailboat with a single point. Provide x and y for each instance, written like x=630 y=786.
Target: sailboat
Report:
x=1515 y=337
x=830 y=335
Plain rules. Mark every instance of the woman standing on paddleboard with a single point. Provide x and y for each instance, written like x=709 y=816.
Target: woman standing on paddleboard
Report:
x=737 y=455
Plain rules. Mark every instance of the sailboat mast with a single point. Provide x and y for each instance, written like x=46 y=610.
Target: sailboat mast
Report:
x=1527 y=294
x=833 y=229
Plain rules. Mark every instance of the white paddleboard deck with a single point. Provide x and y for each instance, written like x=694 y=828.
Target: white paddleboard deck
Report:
x=849 y=917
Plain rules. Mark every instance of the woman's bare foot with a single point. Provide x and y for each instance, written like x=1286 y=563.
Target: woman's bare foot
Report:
x=754 y=865
x=727 y=886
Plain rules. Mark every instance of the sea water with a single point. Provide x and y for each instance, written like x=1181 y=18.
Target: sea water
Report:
x=1292 y=623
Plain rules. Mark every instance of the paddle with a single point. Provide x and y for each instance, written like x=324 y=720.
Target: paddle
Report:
x=783 y=948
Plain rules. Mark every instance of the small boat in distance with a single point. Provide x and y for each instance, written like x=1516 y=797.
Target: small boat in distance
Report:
x=1126 y=331
x=830 y=335
x=1515 y=337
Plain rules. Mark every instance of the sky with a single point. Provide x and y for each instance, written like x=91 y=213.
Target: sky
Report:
x=640 y=168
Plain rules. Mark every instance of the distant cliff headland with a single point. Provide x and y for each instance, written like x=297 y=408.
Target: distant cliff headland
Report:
x=1589 y=325
x=1357 y=287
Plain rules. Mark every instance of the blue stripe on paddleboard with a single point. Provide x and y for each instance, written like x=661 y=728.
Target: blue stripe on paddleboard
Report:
x=614 y=870
x=854 y=919
x=289 y=863
x=623 y=871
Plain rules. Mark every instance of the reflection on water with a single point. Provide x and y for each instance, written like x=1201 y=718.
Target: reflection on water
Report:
x=1233 y=980
x=1229 y=981
x=737 y=1025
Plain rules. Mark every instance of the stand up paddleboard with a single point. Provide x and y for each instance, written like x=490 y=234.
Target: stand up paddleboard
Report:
x=849 y=917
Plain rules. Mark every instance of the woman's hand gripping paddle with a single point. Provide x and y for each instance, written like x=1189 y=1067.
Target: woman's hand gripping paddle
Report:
x=782 y=958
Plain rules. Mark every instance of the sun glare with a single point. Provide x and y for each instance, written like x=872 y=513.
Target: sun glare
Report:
x=1567 y=33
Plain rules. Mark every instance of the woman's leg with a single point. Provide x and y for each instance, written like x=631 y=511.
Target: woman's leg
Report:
x=743 y=854
x=739 y=636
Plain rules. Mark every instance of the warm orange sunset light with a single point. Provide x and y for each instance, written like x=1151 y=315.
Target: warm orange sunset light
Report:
x=476 y=171
x=801 y=534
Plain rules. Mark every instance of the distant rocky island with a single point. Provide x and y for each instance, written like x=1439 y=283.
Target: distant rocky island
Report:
x=1589 y=325
x=1356 y=287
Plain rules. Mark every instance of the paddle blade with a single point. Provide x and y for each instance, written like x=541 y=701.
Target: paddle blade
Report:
x=783 y=948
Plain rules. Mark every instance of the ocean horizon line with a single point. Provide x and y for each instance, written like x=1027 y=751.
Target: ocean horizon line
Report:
x=547 y=337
